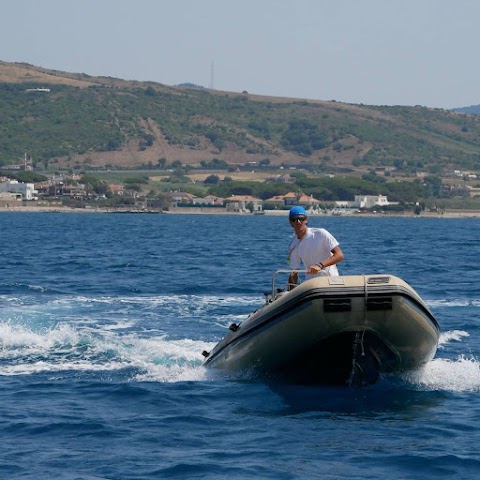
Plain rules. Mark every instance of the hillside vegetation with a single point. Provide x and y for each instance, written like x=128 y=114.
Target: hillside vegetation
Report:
x=97 y=122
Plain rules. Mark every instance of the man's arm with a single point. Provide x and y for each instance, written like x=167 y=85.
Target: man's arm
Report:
x=337 y=257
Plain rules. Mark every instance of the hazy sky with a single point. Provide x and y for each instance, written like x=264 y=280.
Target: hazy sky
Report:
x=381 y=52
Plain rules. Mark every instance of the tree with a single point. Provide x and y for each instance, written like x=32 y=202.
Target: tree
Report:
x=433 y=185
x=94 y=184
x=303 y=136
x=218 y=164
x=113 y=144
x=150 y=91
x=212 y=180
x=143 y=180
x=216 y=139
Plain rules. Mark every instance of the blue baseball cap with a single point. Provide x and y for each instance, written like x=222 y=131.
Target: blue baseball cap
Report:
x=294 y=211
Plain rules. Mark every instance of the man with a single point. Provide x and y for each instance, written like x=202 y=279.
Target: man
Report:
x=316 y=248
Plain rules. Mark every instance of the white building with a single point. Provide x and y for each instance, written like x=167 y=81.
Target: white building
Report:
x=369 y=201
x=365 y=201
x=27 y=190
x=203 y=202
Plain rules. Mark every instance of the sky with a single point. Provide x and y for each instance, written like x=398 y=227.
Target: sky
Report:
x=375 y=52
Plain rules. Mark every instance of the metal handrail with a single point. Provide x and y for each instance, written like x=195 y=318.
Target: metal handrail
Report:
x=283 y=270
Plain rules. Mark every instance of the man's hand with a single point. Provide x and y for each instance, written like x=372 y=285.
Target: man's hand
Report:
x=314 y=269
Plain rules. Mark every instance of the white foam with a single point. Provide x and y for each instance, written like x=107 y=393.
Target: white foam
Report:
x=49 y=367
x=452 y=335
x=75 y=333
x=17 y=339
x=121 y=325
x=164 y=360
x=66 y=348
x=460 y=302
x=458 y=375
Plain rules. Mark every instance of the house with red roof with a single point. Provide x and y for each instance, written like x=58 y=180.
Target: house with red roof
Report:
x=291 y=199
x=242 y=203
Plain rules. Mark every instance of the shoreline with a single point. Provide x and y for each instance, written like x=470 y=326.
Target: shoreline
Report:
x=208 y=211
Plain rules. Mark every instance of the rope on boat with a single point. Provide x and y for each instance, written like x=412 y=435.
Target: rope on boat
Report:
x=358 y=347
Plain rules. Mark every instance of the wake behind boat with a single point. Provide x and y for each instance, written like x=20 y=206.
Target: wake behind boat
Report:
x=333 y=330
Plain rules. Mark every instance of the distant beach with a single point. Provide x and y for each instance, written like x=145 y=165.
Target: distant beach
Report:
x=221 y=211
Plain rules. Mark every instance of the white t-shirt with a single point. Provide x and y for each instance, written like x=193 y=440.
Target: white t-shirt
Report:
x=314 y=247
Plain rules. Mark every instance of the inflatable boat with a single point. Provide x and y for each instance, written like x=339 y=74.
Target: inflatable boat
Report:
x=346 y=330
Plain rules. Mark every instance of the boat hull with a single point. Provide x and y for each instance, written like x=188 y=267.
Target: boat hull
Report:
x=333 y=330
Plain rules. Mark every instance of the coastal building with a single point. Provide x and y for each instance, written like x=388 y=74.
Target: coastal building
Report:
x=179 y=198
x=242 y=203
x=291 y=199
x=6 y=197
x=26 y=190
x=117 y=188
x=365 y=201
x=203 y=201
x=277 y=201
x=308 y=202
x=369 y=201
x=217 y=201
x=208 y=201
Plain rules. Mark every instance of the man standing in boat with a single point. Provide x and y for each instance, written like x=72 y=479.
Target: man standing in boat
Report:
x=316 y=248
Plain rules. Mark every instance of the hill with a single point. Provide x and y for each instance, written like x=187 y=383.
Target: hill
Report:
x=475 y=109
x=67 y=120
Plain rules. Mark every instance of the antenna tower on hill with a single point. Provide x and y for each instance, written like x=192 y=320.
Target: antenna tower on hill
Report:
x=212 y=86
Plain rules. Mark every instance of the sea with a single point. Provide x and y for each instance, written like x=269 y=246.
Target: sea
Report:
x=104 y=317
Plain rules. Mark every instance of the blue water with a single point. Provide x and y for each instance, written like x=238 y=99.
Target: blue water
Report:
x=103 y=319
